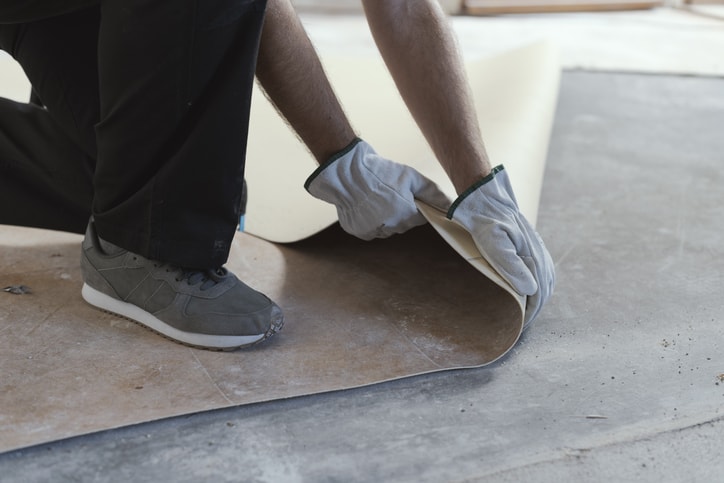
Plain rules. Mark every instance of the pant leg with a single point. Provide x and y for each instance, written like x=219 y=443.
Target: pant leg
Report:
x=45 y=178
x=175 y=87
x=23 y=11
x=47 y=156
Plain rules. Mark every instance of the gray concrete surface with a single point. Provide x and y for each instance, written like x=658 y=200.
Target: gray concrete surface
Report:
x=619 y=380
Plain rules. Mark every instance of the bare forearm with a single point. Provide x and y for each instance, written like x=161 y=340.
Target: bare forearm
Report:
x=292 y=76
x=420 y=51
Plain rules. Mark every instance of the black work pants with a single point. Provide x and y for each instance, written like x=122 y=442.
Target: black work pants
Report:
x=143 y=124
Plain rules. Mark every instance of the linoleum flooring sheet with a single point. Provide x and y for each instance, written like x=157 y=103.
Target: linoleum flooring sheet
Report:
x=357 y=313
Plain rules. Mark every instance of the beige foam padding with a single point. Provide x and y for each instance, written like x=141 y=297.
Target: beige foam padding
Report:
x=515 y=95
x=357 y=312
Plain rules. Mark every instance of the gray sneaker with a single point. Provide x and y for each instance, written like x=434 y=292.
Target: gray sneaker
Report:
x=211 y=309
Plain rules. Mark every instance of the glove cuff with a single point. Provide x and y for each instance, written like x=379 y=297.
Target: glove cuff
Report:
x=331 y=160
x=472 y=189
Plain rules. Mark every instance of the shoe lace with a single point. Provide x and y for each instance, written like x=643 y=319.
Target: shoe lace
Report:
x=206 y=277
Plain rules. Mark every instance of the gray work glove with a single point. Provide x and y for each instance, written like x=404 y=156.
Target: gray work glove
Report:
x=375 y=197
x=489 y=212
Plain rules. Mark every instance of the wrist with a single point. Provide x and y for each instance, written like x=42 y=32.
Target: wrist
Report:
x=471 y=188
x=462 y=180
x=331 y=160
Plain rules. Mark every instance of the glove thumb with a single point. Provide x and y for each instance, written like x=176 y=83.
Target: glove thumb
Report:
x=426 y=190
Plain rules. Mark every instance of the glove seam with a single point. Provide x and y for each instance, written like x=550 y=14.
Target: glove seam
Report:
x=472 y=189
x=383 y=182
x=331 y=160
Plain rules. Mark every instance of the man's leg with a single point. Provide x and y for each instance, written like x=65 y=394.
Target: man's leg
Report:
x=175 y=81
x=175 y=88
x=45 y=178
x=23 y=11
x=174 y=112
x=171 y=139
x=47 y=155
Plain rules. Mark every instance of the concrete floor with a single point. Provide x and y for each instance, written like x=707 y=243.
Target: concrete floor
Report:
x=620 y=379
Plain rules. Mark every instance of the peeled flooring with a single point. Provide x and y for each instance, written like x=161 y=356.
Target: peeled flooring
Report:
x=357 y=313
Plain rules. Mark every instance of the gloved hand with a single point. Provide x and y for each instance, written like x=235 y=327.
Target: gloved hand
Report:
x=489 y=212
x=375 y=197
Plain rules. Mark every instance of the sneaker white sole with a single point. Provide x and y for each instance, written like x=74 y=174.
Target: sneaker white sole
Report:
x=137 y=314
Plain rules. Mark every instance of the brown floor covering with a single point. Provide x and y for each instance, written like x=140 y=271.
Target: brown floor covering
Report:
x=356 y=312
